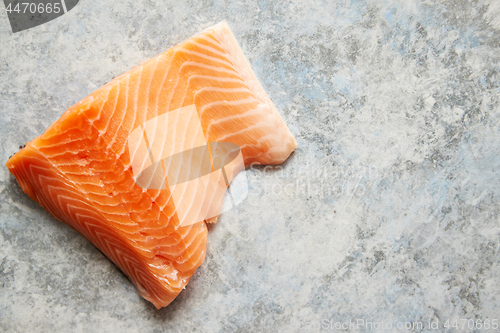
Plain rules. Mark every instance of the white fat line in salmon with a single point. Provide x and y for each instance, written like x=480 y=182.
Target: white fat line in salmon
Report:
x=204 y=56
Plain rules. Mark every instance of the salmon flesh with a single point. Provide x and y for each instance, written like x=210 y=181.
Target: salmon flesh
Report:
x=141 y=165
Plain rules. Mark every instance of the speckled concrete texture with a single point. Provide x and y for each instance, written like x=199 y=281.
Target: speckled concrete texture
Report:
x=387 y=213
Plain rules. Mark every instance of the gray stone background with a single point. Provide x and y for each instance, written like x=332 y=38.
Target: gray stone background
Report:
x=387 y=212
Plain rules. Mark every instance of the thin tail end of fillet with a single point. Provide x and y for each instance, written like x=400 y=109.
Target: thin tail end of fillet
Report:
x=223 y=33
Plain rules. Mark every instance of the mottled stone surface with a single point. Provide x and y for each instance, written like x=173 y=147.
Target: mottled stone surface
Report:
x=388 y=210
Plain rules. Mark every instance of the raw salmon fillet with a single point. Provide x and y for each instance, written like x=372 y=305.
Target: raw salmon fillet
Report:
x=86 y=167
